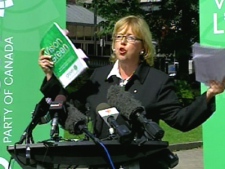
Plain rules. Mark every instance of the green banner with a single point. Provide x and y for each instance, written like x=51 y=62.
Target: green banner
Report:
x=22 y=25
x=212 y=33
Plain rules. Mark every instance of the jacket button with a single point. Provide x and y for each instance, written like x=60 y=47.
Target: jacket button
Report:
x=135 y=91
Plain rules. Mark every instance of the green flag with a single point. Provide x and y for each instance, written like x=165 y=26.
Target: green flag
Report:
x=22 y=25
x=212 y=33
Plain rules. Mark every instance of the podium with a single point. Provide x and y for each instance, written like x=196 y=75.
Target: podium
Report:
x=81 y=153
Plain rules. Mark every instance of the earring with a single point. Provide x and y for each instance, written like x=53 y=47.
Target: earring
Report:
x=113 y=50
x=142 y=52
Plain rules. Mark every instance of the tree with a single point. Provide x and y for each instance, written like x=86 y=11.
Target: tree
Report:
x=174 y=27
x=111 y=10
x=179 y=22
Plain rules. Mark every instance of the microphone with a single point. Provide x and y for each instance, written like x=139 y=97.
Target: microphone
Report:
x=133 y=110
x=57 y=109
x=75 y=123
x=40 y=110
x=109 y=115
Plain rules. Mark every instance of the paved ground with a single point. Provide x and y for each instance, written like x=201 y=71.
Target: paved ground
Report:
x=190 y=159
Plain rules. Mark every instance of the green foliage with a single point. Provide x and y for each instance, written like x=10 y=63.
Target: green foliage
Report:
x=112 y=11
x=186 y=92
x=184 y=89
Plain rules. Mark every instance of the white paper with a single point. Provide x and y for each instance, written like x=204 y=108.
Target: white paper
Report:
x=209 y=63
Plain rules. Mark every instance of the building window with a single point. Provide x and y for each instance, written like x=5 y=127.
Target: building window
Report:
x=82 y=37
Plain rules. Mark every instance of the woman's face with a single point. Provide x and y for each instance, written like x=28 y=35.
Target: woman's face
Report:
x=127 y=46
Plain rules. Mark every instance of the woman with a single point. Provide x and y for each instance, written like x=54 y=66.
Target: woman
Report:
x=132 y=60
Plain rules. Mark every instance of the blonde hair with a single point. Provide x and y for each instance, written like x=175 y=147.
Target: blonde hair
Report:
x=141 y=30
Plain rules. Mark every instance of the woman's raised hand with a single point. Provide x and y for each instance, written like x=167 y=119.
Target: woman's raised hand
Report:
x=46 y=64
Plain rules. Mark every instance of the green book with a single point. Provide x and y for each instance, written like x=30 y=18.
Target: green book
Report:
x=68 y=60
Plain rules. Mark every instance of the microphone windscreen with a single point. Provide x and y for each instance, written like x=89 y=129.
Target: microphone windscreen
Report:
x=60 y=98
x=102 y=106
x=123 y=101
x=74 y=119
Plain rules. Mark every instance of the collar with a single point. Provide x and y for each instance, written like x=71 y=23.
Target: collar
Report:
x=115 y=71
x=141 y=72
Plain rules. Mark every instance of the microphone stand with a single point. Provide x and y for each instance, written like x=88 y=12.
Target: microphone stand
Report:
x=56 y=107
x=40 y=110
x=27 y=134
x=28 y=138
x=54 y=133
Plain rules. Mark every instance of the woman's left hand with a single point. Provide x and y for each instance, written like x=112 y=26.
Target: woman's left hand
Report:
x=215 y=88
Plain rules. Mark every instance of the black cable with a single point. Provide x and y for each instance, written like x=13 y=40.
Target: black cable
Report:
x=10 y=160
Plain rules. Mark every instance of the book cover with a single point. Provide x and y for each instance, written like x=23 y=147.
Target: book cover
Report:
x=68 y=60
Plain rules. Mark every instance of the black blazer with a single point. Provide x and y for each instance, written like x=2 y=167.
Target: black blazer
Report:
x=152 y=87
